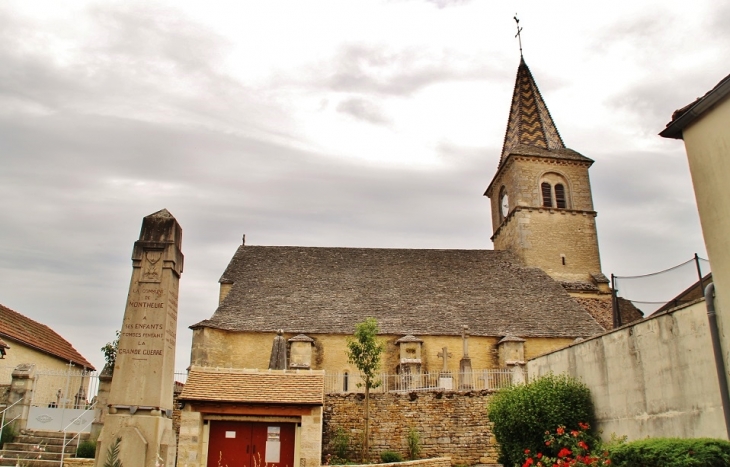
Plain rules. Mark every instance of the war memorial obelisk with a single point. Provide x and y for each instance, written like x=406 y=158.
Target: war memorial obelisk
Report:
x=140 y=400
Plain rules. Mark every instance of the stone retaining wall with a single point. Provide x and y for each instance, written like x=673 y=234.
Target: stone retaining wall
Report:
x=78 y=462
x=449 y=424
x=434 y=462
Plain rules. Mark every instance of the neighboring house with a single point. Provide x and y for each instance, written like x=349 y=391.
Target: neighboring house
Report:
x=704 y=125
x=30 y=342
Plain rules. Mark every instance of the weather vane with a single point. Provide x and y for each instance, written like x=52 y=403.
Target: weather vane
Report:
x=518 y=35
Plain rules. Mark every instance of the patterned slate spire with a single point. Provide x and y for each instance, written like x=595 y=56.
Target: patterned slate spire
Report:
x=529 y=122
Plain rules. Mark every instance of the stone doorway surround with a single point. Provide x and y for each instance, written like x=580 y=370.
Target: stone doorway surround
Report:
x=274 y=397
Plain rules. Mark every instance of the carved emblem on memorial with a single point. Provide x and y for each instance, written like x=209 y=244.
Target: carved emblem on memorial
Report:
x=152 y=270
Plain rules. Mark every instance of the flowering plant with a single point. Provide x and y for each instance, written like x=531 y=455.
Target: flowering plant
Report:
x=572 y=450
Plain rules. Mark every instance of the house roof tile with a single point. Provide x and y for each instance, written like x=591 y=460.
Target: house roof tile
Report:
x=19 y=328
x=253 y=386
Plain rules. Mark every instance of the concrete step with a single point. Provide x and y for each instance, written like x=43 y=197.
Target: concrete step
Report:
x=28 y=455
x=7 y=462
x=39 y=447
x=51 y=434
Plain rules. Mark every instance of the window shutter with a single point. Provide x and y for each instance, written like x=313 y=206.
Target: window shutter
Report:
x=560 y=196
x=547 y=196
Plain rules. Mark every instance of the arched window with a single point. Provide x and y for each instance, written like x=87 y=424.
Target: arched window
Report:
x=547 y=195
x=554 y=192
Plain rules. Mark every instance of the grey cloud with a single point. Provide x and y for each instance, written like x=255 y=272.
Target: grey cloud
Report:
x=647 y=218
x=363 y=109
x=381 y=70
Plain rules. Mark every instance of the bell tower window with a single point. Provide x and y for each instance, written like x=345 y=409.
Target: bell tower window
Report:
x=553 y=192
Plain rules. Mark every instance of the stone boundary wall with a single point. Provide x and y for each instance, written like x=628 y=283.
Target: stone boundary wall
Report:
x=653 y=378
x=433 y=462
x=450 y=424
x=71 y=462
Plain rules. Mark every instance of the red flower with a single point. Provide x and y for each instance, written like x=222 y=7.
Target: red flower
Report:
x=561 y=430
x=527 y=451
x=583 y=445
x=564 y=452
x=574 y=433
x=539 y=455
x=583 y=426
x=528 y=462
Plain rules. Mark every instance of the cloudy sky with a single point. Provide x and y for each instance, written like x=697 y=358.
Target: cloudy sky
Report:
x=321 y=123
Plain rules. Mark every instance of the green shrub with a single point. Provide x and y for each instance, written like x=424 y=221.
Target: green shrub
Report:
x=340 y=444
x=672 y=452
x=522 y=414
x=9 y=434
x=390 y=456
x=86 y=450
x=414 y=443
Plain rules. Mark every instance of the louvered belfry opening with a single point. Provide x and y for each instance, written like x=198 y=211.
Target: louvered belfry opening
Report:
x=547 y=196
x=560 y=196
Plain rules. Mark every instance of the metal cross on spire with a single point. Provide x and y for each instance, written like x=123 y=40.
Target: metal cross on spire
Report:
x=519 y=31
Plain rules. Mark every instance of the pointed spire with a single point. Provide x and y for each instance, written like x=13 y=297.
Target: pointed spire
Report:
x=529 y=121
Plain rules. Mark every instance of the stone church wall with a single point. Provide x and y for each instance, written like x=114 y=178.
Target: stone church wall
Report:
x=217 y=348
x=449 y=424
x=654 y=378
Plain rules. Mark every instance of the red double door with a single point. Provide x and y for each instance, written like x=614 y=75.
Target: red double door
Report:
x=250 y=444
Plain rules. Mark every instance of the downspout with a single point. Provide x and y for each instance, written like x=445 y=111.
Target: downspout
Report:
x=719 y=364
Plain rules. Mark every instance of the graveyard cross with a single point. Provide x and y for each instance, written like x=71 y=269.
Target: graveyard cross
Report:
x=445 y=354
x=465 y=337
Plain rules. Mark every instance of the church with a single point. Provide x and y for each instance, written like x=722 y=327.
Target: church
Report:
x=541 y=285
x=539 y=289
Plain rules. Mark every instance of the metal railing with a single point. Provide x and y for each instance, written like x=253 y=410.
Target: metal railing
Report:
x=77 y=436
x=2 y=419
x=434 y=381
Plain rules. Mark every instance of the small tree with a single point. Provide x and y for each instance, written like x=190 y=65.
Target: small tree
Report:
x=110 y=354
x=364 y=351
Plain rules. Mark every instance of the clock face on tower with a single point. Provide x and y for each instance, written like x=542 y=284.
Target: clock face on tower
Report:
x=505 y=205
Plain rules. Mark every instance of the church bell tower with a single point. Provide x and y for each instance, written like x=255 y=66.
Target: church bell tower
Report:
x=542 y=207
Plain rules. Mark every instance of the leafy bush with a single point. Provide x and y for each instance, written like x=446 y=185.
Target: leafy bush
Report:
x=672 y=452
x=522 y=414
x=414 y=443
x=86 y=450
x=9 y=434
x=390 y=456
x=340 y=444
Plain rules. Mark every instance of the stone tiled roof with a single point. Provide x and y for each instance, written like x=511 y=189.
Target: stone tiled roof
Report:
x=19 y=328
x=421 y=292
x=253 y=386
x=602 y=310
x=529 y=121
